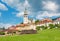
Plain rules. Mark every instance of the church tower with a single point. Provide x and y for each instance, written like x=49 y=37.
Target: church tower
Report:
x=25 y=16
x=26 y=21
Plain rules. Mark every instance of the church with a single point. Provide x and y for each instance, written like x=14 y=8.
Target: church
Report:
x=27 y=23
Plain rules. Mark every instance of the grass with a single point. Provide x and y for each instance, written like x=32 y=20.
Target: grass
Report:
x=45 y=35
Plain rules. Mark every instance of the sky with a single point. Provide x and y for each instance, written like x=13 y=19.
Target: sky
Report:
x=11 y=11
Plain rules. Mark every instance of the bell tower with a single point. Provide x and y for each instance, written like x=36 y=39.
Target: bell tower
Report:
x=25 y=16
x=25 y=13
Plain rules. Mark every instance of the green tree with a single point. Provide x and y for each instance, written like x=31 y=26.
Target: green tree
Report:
x=36 y=21
x=42 y=27
x=57 y=25
x=45 y=27
x=38 y=27
x=51 y=26
x=2 y=33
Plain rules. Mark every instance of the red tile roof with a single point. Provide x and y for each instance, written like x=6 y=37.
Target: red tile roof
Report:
x=21 y=25
x=44 y=21
x=13 y=28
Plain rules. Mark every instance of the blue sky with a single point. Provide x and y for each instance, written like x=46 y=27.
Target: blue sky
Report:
x=11 y=11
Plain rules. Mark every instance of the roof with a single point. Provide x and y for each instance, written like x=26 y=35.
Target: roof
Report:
x=13 y=28
x=45 y=21
x=21 y=25
x=58 y=19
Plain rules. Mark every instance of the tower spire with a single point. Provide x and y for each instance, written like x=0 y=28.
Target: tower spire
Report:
x=25 y=11
x=25 y=14
x=25 y=5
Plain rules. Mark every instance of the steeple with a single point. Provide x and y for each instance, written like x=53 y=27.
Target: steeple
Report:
x=25 y=14
x=25 y=11
x=26 y=7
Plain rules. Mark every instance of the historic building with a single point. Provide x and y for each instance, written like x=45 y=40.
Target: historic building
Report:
x=45 y=22
x=57 y=21
x=25 y=17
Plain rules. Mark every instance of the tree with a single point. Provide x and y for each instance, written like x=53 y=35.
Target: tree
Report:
x=38 y=27
x=36 y=21
x=51 y=26
x=57 y=25
x=42 y=27
x=3 y=28
x=45 y=27
x=2 y=33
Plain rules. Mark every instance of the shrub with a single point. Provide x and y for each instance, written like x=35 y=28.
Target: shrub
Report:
x=38 y=27
x=45 y=27
x=58 y=26
x=42 y=27
x=2 y=33
x=51 y=26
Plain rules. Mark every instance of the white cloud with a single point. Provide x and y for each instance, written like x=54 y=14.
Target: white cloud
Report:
x=49 y=5
x=21 y=6
x=17 y=4
x=5 y=25
x=14 y=4
x=46 y=14
x=50 y=8
x=20 y=14
x=26 y=4
x=3 y=7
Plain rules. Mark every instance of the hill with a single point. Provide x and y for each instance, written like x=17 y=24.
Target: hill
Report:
x=45 y=35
